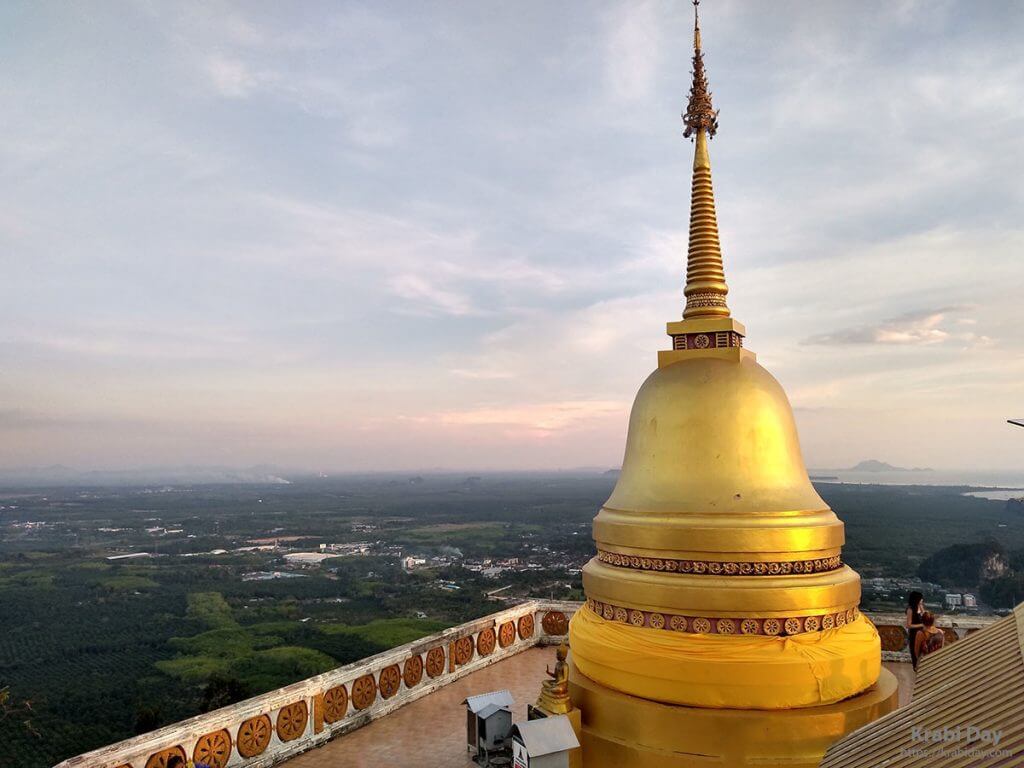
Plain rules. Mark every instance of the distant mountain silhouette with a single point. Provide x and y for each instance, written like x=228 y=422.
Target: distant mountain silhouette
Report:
x=59 y=475
x=874 y=465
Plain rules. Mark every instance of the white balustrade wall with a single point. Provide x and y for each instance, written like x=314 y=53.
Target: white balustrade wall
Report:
x=270 y=728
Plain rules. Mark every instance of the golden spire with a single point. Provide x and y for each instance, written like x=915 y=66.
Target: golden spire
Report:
x=705 y=277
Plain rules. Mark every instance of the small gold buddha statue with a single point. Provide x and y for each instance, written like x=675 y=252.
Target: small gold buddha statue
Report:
x=554 y=692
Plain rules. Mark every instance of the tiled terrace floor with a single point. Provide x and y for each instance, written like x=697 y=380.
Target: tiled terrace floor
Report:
x=431 y=732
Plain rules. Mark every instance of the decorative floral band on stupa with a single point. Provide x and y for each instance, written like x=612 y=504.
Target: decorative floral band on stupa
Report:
x=704 y=625
x=722 y=567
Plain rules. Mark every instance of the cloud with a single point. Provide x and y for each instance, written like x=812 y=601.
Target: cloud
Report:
x=426 y=297
x=920 y=328
x=633 y=48
x=230 y=211
x=538 y=419
x=231 y=77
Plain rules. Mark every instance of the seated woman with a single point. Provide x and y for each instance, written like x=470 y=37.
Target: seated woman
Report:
x=930 y=639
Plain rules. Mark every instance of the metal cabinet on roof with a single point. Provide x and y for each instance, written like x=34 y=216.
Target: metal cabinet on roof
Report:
x=475 y=705
x=543 y=743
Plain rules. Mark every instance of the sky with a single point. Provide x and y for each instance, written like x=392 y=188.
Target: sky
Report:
x=415 y=235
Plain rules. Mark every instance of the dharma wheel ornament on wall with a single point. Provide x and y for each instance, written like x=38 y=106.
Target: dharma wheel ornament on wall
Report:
x=364 y=692
x=335 y=704
x=486 y=641
x=463 y=650
x=555 y=623
x=254 y=736
x=526 y=626
x=893 y=638
x=390 y=681
x=412 y=671
x=435 y=661
x=159 y=759
x=507 y=634
x=291 y=721
x=213 y=749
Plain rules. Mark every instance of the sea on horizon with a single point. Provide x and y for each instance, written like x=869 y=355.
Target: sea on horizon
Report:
x=1004 y=481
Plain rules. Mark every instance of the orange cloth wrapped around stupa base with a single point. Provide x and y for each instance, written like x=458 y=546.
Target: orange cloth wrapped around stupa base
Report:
x=734 y=671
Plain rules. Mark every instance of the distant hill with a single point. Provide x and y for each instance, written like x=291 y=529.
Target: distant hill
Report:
x=58 y=475
x=873 y=465
x=966 y=565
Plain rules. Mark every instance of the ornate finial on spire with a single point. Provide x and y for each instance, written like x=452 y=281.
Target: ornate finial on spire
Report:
x=707 y=327
x=705 y=277
x=699 y=114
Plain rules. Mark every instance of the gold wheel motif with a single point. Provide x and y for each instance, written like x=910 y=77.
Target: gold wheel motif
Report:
x=253 y=736
x=389 y=681
x=435 y=661
x=291 y=721
x=412 y=671
x=526 y=626
x=507 y=634
x=485 y=642
x=555 y=623
x=463 y=650
x=159 y=759
x=335 y=704
x=747 y=625
x=214 y=749
x=364 y=692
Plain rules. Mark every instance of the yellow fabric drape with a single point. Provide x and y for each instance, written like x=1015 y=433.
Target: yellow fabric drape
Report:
x=734 y=671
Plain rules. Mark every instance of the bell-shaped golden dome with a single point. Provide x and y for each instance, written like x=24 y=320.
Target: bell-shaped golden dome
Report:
x=713 y=514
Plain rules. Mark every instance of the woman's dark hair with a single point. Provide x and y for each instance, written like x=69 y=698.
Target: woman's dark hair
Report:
x=913 y=599
x=928 y=618
x=175 y=761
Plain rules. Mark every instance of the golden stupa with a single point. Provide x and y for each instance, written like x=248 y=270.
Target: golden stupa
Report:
x=721 y=625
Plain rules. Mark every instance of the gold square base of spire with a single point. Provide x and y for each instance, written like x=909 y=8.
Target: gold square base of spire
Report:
x=705 y=325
